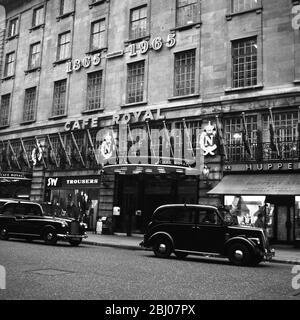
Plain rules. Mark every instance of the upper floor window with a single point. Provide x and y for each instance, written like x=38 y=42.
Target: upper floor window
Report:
x=38 y=16
x=135 y=82
x=34 y=56
x=66 y=6
x=9 y=64
x=13 y=27
x=187 y=12
x=94 y=87
x=64 y=46
x=138 y=22
x=244 y=63
x=4 y=110
x=59 y=97
x=185 y=67
x=98 y=35
x=29 y=104
x=244 y=5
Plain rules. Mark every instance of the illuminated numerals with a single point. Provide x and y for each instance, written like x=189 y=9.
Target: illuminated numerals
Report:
x=157 y=43
x=171 y=40
x=144 y=46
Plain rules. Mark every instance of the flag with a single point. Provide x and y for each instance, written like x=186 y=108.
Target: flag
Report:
x=14 y=157
x=245 y=136
x=221 y=137
x=25 y=156
x=51 y=154
x=273 y=136
x=77 y=149
x=91 y=156
x=65 y=154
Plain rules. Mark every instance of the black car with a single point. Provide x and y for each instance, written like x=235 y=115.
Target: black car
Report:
x=197 y=229
x=33 y=220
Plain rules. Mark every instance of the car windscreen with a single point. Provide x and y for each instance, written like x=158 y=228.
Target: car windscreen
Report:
x=52 y=210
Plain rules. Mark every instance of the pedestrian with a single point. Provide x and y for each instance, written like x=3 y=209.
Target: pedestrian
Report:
x=259 y=223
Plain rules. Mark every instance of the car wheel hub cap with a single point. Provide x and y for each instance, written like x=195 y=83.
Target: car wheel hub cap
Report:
x=3 y=232
x=238 y=254
x=162 y=248
x=49 y=236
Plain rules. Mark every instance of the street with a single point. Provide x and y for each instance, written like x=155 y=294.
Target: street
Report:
x=38 y=271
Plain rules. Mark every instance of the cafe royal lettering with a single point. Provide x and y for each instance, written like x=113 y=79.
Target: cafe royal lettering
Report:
x=90 y=123
x=259 y=167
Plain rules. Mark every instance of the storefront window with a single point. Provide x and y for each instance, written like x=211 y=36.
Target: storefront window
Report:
x=297 y=219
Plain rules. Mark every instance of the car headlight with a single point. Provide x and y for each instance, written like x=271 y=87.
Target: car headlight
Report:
x=84 y=225
x=64 y=224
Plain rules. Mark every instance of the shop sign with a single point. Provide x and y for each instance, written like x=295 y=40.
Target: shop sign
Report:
x=136 y=116
x=82 y=124
x=72 y=182
x=263 y=167
x=12 y=175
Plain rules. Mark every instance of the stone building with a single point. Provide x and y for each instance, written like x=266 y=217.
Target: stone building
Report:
x=132 y=104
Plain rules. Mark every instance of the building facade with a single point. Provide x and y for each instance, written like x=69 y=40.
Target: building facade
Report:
x=121 y=106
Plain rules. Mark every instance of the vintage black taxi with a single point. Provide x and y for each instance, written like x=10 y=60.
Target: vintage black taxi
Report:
x=33 y=220
x=196 y=229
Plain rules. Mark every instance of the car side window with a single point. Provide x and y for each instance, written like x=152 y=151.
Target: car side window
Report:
x=9 y=209
x=184 y=215
x=21 y=209
x=208 y=216
x=165 y=214
x=34 y=209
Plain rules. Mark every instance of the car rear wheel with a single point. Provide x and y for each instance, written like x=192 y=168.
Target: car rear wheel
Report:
x=162 y=248
x=75 y=243
x=50 y=236
x=3 y=234
x=239 y=254
x=181 y=255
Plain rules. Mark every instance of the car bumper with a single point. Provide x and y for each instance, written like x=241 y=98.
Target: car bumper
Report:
x=72 y=236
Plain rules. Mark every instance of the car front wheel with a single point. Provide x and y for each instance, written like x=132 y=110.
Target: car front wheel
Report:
x=162 y=248
x=75 y=243
x=50 y=236
x=239 y=254
x=3 y=234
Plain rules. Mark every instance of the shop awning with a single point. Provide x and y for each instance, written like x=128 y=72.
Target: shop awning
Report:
x=262 y=184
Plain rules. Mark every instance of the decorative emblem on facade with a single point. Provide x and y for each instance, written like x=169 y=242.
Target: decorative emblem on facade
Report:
x=107 y=147
x=36 y=155
x=207 y=140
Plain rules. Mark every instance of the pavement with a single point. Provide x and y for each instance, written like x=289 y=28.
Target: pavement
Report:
x=283 y=253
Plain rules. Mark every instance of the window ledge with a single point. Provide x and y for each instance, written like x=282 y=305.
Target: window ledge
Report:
x=133 y=104
x=39 y=26
x=96 y=3
x=37 y=69
x=95 y=51
x=92 y=111
x=230 y=15
x=187 y=26
x=60 y=116
x=65 y=15
x=61 y=61
x=129 y=41
x=8 y=78
x=23 y=123
x=297 y=81
x=4 y=126
x=188 y=96
x=256 y=87
x=12 y=37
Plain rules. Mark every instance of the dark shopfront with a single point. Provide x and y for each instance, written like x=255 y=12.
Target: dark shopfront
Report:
x=277 y=195
x=15 y=184
x=138 y=195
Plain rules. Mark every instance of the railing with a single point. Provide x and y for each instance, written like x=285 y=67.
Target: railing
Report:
x=266 y=151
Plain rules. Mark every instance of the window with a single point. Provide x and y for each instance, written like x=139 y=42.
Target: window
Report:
x=185 y=73
x=9 y=64
x=138 y=22
x=64 y=46
x=94 y=87
x=34 y=55
x=244 y=5
x=4 y=110
x=98 y=35
x=29 y=104
x=184 y=216
x=59 y=98
x=66 y=6
x=38 y=16
x=208 y=216
x=187 y=12
x=244 y=63
x=135 y=82
x=13 y=27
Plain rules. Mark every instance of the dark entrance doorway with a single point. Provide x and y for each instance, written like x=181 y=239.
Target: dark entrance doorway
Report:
x=139 y=195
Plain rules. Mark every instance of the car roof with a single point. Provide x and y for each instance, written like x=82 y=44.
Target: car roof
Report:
x=184 y=205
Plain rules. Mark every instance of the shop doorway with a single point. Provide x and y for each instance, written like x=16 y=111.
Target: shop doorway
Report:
x=138 y=197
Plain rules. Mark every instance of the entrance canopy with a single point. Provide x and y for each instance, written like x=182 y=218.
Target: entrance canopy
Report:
x=262 y=184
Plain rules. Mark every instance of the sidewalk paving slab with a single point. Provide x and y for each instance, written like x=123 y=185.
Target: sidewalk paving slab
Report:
x=283 y=253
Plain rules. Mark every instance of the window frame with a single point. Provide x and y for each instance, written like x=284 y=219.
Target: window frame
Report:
x=143 y=100
x=132 y=35
x=9 y=27
x=31 y=105
x=91 y=48
x=251 y=8
x=30 y=66
x=59 y=46
x=54 y=112
x=7 y=112
x=62 y=12
x=100 y=107
x=197 y=15
x=6 y=65
x=37 y=25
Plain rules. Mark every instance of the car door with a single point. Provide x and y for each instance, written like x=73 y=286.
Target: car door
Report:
x=209 y=231
x=32 y=215
x=183 y=223
x=8 y=218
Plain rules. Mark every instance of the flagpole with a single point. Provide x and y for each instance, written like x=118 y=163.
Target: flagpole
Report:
x=77 y=148
x=24 y=150
x=245 y=133
x=91 y=142
x=272 y=125
x=51 y=146
x=188 y=136
x=63 y=146
x=220 y=136
x=14 y=154
x=168 y=137
x=149 y=137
